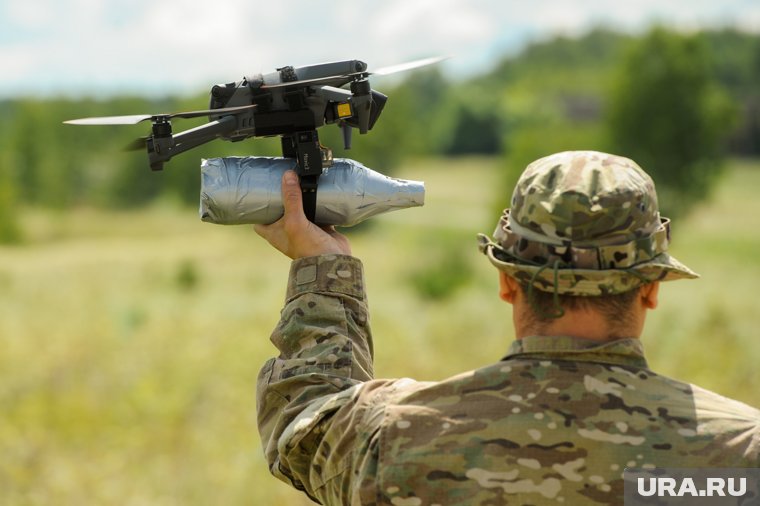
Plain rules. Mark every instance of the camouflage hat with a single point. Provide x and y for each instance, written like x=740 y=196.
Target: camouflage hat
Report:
x=584 y=223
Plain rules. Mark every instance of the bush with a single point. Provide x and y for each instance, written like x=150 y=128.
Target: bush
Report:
x=445 y=270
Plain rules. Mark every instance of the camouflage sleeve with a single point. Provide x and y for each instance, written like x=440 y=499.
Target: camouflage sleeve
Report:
x=325 y=353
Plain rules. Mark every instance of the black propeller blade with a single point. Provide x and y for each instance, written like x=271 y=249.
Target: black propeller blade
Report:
x=138 y=144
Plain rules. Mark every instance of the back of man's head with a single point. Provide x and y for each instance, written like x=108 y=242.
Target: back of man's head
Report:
x=583 y=232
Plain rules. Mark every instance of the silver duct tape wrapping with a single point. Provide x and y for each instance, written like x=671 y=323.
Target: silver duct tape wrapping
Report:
x=240 y=190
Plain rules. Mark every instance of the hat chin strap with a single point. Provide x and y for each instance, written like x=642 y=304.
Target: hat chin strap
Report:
x=532 y=247
x=558 y=311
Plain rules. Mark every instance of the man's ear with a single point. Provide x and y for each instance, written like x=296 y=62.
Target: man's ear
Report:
x=508 y=287
x=649 y=294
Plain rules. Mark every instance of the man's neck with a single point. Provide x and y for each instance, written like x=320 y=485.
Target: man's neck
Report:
x=581 y=324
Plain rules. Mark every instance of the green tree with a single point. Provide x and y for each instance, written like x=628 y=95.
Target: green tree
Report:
x=667 y=113
x=476 y=130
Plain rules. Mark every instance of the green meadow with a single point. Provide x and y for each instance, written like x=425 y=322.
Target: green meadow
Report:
x=130 y=341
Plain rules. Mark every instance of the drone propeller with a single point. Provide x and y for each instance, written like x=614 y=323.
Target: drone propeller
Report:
x=384 y=71
x=137 y=118
x=401 y=67
x=137 y=144
x=110 y=120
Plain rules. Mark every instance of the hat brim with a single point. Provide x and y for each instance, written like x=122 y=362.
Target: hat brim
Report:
x=587 y=282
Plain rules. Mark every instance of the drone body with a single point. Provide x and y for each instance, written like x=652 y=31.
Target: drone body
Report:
x=304 y=98
x=294 y=102
x=290 y=102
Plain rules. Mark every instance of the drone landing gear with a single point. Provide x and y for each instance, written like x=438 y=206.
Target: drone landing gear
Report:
x=311 y=158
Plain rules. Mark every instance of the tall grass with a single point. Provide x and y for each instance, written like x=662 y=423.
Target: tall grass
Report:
x=130 y=342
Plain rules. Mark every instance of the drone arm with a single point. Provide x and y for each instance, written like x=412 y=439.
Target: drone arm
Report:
x=333 y=93
x=163 y=149
x=207 y=132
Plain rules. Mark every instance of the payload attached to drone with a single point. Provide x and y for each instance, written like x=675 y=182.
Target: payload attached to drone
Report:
x=291 y=103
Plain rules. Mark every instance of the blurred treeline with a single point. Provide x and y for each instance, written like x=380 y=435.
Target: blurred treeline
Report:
x=675 y=103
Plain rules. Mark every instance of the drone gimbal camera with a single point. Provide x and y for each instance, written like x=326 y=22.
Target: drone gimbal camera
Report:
x=292 y=102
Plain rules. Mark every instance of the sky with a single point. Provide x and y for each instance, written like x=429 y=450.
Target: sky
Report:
x=100 y=48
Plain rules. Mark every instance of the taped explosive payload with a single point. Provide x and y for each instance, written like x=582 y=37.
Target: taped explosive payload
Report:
x=240 y=190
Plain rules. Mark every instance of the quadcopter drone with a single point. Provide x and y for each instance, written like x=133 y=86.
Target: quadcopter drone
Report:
x=290 y=102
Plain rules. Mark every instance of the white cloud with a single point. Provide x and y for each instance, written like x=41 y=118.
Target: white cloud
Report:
x=750 y=19
x=29 y=15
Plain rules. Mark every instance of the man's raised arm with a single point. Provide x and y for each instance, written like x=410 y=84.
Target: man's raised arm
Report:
x=325 y=349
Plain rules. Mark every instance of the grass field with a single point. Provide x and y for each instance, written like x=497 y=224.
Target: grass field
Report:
x=130 y=342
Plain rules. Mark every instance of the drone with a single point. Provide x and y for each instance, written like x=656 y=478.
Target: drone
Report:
x=291 y=102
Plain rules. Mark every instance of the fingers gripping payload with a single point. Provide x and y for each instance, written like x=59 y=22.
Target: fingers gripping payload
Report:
x=588 y=220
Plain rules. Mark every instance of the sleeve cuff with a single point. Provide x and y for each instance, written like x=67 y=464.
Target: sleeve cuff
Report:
x=339 y=274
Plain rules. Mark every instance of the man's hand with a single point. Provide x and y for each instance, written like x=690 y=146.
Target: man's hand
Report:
x=293 y=234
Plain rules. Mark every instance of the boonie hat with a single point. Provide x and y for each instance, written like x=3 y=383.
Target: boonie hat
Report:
x=584 y=223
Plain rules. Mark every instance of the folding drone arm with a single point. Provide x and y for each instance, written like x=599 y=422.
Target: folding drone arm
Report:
x=162 y=145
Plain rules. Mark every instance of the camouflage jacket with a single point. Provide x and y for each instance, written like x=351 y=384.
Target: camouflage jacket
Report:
x=556 y=421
